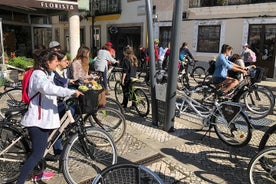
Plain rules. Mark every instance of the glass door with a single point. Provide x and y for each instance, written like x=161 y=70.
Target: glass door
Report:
x=262 y=39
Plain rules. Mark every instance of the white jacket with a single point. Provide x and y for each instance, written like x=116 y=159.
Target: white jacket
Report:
x=43 y=83
x=100 y=63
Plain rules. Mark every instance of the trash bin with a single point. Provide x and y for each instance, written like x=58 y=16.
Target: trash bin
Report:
x=161 y=91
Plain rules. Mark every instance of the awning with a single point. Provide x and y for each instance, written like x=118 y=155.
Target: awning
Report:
x=66 y=5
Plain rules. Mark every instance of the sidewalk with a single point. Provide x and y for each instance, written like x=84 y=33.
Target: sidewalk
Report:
x=182 y=157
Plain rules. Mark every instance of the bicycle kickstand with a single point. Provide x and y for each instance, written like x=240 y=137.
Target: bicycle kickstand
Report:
x=209 y=130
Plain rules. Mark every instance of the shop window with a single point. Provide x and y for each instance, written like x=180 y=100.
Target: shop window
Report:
x=208 y=38
x=82 y=36
x=39 y=19
x=20 y=17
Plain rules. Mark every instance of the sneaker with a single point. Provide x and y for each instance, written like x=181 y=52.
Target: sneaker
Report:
x=43 y=176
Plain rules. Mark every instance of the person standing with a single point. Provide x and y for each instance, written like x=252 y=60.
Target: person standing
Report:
x=110 y=49
x=129 y=63
x=162 y=53
x=54 y=46
x=101 y=64
x=42 y=115
x=247 y=55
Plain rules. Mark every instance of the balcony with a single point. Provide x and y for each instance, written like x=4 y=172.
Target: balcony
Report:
x=106 y=7
x=208 y=3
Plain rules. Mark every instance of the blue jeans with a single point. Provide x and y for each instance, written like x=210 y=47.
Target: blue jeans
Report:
x=39 y=138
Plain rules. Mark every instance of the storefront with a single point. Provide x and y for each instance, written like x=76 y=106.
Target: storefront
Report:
x=27 y=23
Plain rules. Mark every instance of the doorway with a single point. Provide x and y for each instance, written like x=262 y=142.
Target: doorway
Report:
x=262 y=39
x=126 y=36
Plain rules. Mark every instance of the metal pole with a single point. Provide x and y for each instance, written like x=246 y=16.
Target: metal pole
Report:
x=2 y=45
x=152 y=61
x=172 y=67
x=93 y=27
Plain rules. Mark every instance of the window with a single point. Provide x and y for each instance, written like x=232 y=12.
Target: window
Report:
x=165 y=35
x=208 y=38
x=106 y=7
x=97 y=35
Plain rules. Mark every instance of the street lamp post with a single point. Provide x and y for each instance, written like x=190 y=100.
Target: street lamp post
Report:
x=93 y=27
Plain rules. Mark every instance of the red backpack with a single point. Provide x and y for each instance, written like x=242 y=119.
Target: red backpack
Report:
x=25 y=88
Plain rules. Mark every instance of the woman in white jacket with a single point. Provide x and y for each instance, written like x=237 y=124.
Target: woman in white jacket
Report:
x=42 y=115
x=100 y=64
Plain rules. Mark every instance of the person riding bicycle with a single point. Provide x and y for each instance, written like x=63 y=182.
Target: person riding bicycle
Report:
x=42 y=116
x=184 y=51
x=220 y=76
x=129 y=63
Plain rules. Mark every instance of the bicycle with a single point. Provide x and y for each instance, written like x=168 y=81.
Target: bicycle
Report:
x=114 y=74
x=89 y=148
x=229 y=120
x=10 y=97
x=196 y=72
x=127 y=173
x=257 y=100
x=137 y=96
x=262 y=167
x=268 y=139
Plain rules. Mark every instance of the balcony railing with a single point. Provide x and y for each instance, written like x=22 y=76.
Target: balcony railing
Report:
x=106 y=7
x=208 y=3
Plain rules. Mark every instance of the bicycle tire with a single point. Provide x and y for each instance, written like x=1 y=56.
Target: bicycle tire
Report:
x=113 y=78
x=141 y=102
x=10 y=170
x=257 y=102
x=269 y=138
x=119 y=95
x=79 y=166
x=269 y=92
x=10 y=99
x=113 y=104
x=262 y=168
x=236 y=134
x=127 y=173
x=198 y=74
x=111 y=120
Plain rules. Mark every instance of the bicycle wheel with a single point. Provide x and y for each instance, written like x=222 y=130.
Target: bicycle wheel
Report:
x=257 y=102
x=10 y=99
x=198 y=74
x=127 y=173
x=113 y=104
x=269 y=92
x=83 y=159
x=269 y=138
x=12 y=160
x=237 y=133
x=262 y=167
x=119 y=95
x=110 y=120
x=141 y=102
x=113 y=78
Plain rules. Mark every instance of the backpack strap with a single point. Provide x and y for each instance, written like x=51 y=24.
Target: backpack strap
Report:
x=39 y=100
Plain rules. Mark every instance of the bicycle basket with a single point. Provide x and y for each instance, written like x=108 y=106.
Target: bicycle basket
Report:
x=230 y=110
x=88 y=102
x=257 y=75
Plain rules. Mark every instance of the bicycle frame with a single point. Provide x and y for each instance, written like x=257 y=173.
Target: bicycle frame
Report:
x=188 y=100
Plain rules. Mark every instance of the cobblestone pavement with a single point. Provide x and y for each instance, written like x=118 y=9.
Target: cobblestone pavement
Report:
x=184 y=157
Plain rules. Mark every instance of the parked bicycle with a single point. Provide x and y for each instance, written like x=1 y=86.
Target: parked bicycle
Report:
x=137 y=96
x=269 y=138
x=10 y=97
x=90 y=149
x=229 y=120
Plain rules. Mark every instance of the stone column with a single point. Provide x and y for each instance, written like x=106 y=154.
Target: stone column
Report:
x=74 y=32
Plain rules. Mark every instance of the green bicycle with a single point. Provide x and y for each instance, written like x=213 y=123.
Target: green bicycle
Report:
x=137 y=96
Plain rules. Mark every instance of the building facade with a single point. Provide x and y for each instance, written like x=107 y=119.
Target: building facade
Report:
x=207 y=25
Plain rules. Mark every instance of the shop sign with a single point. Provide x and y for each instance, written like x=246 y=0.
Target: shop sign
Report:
x=67 y=5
